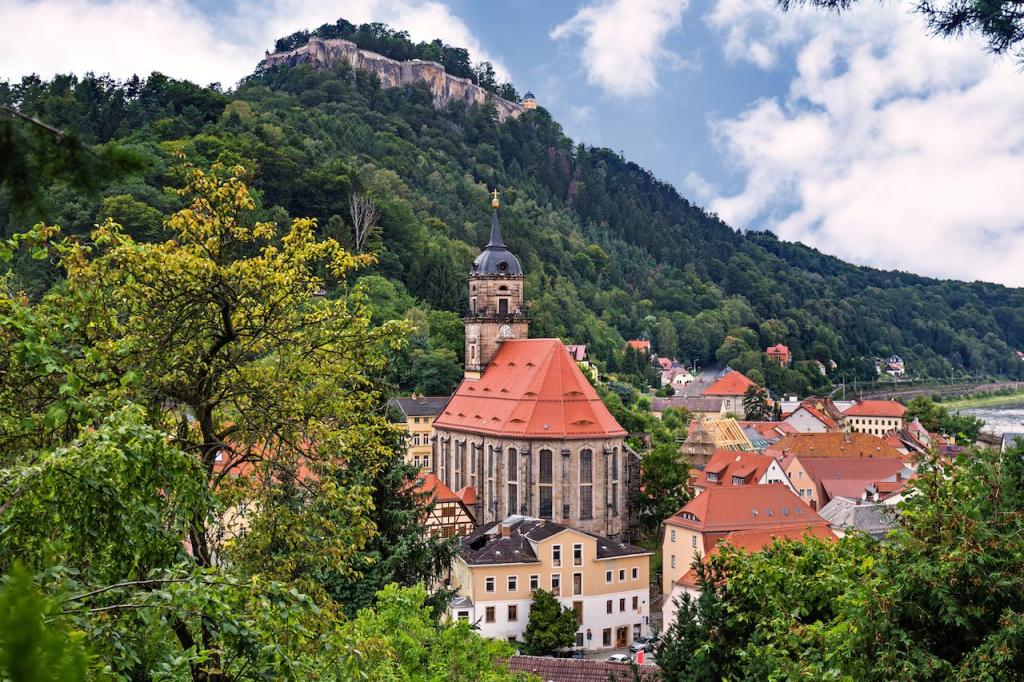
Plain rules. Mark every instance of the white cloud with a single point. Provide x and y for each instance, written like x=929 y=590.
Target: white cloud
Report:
x=623 y=42
x=121 y=38
x=125 y=37
x=892 y=148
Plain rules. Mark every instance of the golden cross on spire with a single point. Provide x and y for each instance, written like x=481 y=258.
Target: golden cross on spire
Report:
x=494 y=201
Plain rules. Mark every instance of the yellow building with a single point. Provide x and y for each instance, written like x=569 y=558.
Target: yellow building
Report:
x=529 y=101
x=417 y=415
x=877 y=417
x=607 y=583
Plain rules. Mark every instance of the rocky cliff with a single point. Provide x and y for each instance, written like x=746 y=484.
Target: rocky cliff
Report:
x=445 y=87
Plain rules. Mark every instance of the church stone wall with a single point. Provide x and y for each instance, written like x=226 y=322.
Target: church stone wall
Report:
x=464 y=459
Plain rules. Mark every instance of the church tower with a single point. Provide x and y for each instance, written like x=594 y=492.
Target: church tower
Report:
x=496 y=308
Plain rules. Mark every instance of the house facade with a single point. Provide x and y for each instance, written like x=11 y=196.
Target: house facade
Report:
x=819 y=479
x=694 y=530
x=730 y=387
x=449 y=515
x=417 y=414
x=779 y=353
x=876 y=417
x=605 y=582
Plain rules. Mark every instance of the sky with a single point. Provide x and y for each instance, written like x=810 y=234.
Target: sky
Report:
x=862 y=135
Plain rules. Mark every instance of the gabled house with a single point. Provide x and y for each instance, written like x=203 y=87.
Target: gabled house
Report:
x=416 y=415
x=450 y=516
x=749 y=541
x=605 y=582
x=866 y=515
x=642 y=345
x=816 y=415
x=707 y=519
x=779 y=353
x=738 y=468
x=819 y=479
x=730 y=387
x=763 y=434
x=877 y=417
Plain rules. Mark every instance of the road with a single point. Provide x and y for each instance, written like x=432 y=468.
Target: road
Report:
x=958 y=389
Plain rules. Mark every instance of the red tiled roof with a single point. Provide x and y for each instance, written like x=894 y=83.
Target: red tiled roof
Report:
x=733 y=383
x=532 y=388
x=467 y=494
x=812 y=410
x=430 y=484
x=733 y=507
x=751 y=541
x=846 y=476
x=665 y=363
x=777 y=349
x=727 y=464
x=639 y=344
x=876 y=408
x=834 y=444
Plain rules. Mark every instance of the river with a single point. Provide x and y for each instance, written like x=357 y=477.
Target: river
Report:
x=999 y=419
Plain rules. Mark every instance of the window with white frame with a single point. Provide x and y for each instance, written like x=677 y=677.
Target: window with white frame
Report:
x=513 y=583
x=489 y=584
x=556 y=555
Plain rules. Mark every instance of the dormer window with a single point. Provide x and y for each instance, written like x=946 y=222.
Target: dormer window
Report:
x=503 y=267
x=712 y=477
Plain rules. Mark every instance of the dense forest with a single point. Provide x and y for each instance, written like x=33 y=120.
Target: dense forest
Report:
x=611 y=252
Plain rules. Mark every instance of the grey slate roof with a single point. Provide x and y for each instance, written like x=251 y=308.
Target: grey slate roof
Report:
x=689 y=403
x=496 y=259
x=423 y=406
x=486 y=546
x=873 y=518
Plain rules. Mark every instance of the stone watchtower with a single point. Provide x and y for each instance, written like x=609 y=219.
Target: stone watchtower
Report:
x=496 y=308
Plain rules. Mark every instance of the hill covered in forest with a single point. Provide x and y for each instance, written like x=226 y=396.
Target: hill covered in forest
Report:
x=611 y=252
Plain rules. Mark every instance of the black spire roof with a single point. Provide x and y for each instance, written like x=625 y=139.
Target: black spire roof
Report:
x=496 y=259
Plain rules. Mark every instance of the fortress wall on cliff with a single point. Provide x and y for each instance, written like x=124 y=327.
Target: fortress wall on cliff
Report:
x=322 y=54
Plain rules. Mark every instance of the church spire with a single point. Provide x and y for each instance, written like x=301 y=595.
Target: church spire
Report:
x=496 y=242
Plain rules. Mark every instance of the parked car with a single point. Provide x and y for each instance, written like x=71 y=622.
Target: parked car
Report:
x=620 y=658
x=569 y=652
x=644 y=644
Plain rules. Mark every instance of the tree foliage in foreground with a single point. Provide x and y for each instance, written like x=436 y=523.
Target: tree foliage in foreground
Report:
x=941 y=598
x=999 y=22
x=194 y=440
x=551 y=626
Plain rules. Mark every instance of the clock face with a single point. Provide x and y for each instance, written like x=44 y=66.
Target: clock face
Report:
x=505 y=331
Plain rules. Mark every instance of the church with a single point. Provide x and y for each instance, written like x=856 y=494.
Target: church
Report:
x=525 y=432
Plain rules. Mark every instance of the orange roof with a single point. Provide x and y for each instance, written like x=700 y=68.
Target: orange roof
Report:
x=848 y=476
x=778 y=349
x=812 y=410
x=733 y=383
x=751 y=541
x=468 y=495
x=744 y=507
x=639 y=344
x=532 y=388
x=876 y=408
x=430 y=484
x=833 y=444
x=727 y=463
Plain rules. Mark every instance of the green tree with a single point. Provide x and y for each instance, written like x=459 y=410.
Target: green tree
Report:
x=35 y=644
x=663 y=480
x=755 y=404
x=399 y=640
x=551 y=626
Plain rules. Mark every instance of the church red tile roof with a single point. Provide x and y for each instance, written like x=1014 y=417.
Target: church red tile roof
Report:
x=733 y=383
x=531 y=389
x=876 y=408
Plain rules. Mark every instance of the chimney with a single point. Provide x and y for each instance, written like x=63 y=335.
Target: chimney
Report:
x=505 y=530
